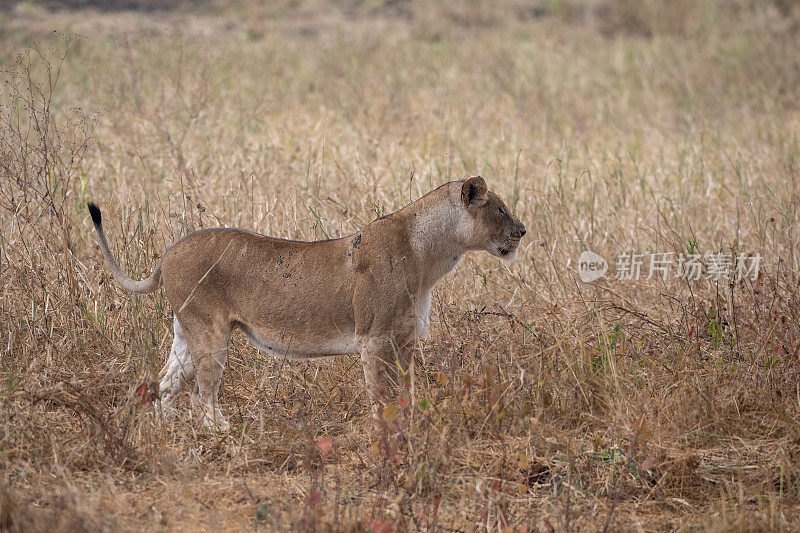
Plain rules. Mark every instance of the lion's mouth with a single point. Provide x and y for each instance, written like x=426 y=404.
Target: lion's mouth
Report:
x=507 y=250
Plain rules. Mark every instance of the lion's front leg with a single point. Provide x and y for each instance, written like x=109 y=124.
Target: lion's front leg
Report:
x=385 y=325
x=386 y=360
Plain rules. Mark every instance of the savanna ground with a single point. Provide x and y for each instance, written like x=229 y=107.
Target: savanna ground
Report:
x=540 y=402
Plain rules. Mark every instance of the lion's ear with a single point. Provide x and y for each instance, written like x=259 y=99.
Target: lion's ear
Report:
x=474 y=191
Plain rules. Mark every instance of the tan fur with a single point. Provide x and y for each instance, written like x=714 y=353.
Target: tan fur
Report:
x=367 y=292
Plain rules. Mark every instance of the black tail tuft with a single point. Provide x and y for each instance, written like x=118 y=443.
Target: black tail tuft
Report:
x=97 y=218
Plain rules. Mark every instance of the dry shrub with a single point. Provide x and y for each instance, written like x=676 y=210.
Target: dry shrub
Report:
x=39 y=194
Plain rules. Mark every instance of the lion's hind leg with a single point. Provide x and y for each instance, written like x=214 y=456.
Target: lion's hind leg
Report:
x=208 y=347
x=178 y=370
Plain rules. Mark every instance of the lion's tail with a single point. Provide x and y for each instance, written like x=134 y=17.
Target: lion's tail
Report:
x=138 y=287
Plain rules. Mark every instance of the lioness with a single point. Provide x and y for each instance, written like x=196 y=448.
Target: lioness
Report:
x=367 y=292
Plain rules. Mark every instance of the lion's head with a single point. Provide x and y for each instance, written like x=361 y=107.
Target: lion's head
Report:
x=494 y=228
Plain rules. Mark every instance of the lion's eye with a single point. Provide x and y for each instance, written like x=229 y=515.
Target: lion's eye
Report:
x=502 y=210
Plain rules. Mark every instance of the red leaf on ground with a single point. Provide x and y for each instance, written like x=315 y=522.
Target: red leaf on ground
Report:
x=147 y=392
x=143 y=392
x=324 y=444
x=382 y=526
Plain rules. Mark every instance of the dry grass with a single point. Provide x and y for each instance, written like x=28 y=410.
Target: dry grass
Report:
x=539 y=402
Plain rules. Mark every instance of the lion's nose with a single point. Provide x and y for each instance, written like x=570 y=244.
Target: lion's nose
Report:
x=523 y=232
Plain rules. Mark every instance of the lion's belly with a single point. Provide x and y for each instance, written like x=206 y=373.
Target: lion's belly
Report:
x=300 y=345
